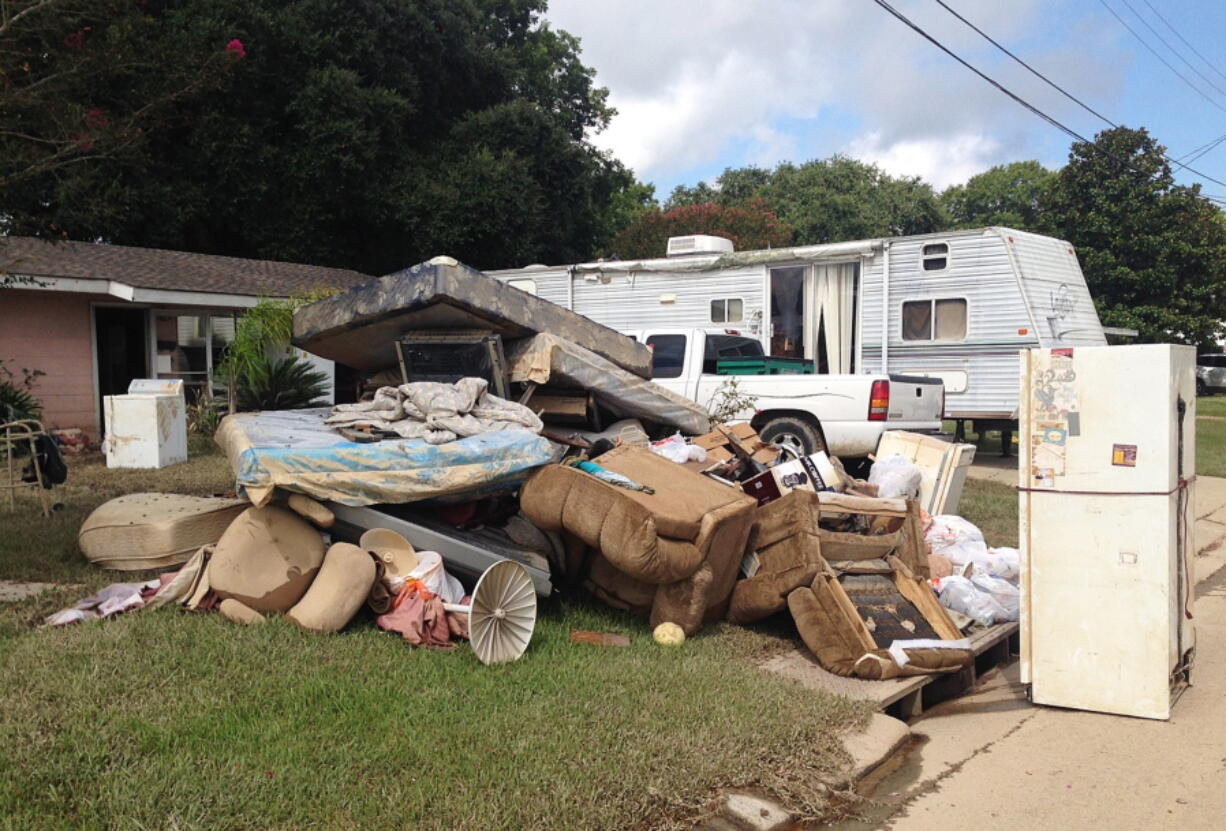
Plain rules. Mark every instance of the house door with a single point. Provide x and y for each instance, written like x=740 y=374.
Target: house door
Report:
x=122 y=348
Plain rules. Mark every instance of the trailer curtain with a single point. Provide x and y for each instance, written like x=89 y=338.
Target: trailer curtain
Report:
x=834 y=296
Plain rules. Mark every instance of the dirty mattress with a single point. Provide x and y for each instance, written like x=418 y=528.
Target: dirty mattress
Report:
x=296 y=451
x=359 y=327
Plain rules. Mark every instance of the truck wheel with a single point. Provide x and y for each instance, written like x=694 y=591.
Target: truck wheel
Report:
x=793 y=433
x=1201 y=388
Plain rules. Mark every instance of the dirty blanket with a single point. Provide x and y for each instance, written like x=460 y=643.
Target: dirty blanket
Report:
x=438 y=413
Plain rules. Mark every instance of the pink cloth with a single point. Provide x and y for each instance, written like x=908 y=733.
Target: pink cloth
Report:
x=419 y=618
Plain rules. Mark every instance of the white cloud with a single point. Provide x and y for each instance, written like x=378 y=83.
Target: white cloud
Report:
x=702 y=84
x=941 y=161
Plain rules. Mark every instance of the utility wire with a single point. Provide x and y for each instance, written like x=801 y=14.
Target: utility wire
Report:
x=1165 y=62
x=1032 y=70
x=1206 y=149
x=1174 y=51
x=1194 y=154
x=1185 y=40
x=1017 y=98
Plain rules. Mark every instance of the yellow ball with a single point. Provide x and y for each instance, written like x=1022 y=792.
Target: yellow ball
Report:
x=669 y=634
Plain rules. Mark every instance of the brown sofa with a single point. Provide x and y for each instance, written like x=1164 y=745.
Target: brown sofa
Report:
x=673 y=555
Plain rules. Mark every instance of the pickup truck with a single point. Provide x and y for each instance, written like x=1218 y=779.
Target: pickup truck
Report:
x=844 y=415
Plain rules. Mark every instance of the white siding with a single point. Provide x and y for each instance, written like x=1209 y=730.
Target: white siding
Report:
x=980 y=271
x=550 y=283
x=629 y=301
x=1064 y=313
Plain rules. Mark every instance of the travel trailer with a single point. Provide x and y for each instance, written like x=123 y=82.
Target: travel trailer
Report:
x=957 y=306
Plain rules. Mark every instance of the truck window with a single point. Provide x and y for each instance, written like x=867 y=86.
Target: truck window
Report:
x=667 y=355
x=728 y=346
x=934 y=319
x=727 y=310
x=936 y=256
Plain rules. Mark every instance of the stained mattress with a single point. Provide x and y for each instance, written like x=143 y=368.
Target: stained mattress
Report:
x=359 y=327
x=548 y=359
x=296 y=451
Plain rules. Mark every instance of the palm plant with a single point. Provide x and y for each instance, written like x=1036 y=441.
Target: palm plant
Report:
x=286 y=384
x=253 y=378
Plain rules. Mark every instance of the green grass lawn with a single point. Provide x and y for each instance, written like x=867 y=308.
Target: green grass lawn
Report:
x=166 y=719
x=1211 y=435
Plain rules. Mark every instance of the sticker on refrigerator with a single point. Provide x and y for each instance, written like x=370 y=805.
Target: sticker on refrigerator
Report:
x=1124 y=455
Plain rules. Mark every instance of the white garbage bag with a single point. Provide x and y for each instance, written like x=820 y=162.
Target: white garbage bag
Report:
x=955 y=538
x=895 y=476
x=1002 y=591
x=676 y=449
x=1004 y=563
x=962 y=595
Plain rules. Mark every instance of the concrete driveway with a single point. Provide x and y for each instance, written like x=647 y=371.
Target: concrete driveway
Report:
x=991 y=760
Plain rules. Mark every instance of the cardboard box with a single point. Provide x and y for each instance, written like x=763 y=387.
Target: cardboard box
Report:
x=811 y=473
x=716 y=444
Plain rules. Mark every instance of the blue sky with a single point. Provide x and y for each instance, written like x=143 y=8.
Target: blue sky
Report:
x=701 y=86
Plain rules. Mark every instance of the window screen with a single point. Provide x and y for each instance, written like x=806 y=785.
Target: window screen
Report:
x=936 y=256
x=917 y=320
x=951 y=319
x=727 y=310
x=667 y=355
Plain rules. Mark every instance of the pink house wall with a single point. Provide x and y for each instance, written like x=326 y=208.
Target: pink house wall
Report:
x=51 y=331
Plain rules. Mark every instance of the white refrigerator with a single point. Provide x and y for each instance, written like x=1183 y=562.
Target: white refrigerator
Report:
x=1106 y=514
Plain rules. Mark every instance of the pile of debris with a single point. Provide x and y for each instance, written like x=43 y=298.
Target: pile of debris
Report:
x=530 y=447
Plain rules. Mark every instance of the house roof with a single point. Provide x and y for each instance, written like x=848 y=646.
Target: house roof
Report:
x=155 y=268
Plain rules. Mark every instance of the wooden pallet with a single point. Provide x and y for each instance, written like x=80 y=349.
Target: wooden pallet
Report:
x=905 y=698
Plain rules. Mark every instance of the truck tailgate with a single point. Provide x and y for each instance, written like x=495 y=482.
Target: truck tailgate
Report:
x=916 y=400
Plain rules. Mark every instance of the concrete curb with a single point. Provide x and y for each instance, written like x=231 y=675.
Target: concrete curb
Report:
x=869 y=749
x=873 y=747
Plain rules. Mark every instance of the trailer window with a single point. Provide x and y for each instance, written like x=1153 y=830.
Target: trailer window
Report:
x=667 y=355
x=727 y=310
x=936 y=256
x=934 y=319
x=527 y=285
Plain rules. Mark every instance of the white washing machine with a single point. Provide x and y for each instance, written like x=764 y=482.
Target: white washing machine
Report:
x=147 y=427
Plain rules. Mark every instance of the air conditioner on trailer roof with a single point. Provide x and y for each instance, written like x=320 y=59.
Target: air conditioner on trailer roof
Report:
x=694 y=244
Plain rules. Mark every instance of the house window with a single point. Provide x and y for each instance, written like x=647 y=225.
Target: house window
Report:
x=727 y=310
x=667 y=355
x=523 y=285
x=934 y=319
x=936 y=256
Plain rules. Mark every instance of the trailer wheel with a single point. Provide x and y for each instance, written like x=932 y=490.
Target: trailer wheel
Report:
x=794 y=433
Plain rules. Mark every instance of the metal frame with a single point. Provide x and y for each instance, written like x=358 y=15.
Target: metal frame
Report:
x=13 y=435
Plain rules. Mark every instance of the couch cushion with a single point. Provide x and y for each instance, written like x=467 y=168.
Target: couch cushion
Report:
x=682 y=497
x=561 y=498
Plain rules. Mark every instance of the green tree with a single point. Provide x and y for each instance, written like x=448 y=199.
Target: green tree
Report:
x=749 y=226
x=1153 y=252
x=85 y=83
x=828 y=200
x=1012 y=195
x=361 y=133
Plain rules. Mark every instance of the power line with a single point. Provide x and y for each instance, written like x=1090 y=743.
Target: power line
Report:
x=1194 y=154
x=1017 y=98
x=1174 y=51
x=1033 y=71
x=1202 y=150
x=1165 y=62
x=1185 y=40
